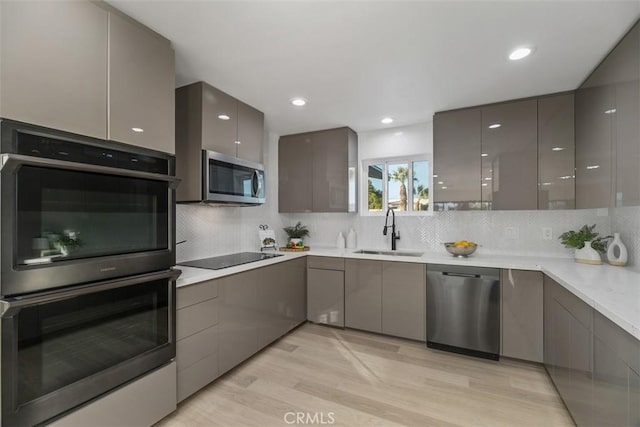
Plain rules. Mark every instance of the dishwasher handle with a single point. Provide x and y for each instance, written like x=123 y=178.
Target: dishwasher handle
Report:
x=473 y=276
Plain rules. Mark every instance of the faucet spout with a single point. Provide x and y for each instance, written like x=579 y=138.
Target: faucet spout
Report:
x=394 y=235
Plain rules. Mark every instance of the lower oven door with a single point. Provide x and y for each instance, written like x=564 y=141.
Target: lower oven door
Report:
x=62 y=349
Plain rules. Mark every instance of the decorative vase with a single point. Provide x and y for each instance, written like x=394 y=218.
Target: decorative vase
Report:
x=588 y=255
x=340 y=241
x=295 y=241
x=617 y=252
x=351 y=239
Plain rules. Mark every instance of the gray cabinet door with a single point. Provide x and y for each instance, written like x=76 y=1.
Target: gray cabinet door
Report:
x=456 y=159
x=54 y=65
x=219 y=120
x=295 y=189
x=634 y=398
x=549 y=331
x=325 y=296
x=626 y=76
x=363 y=294
x=610 y=386
x=556 y=152
x=238 y=336
x=510 y=156
x=404 y=300
x=141 y=86
x=330 y=170
x=522 y=314
x=250 y=132
x=281 y=299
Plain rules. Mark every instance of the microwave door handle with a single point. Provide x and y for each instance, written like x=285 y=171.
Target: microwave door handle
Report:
x=10 y=306
x=256 y=184
x=12 y=162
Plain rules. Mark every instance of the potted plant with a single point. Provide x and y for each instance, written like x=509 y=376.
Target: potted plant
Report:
x=296 y=234
x=587 y=244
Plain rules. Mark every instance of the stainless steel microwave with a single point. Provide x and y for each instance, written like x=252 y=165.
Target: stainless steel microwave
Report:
x=231 y=180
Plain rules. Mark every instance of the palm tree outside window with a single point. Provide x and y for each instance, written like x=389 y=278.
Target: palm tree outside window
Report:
x=402 y=185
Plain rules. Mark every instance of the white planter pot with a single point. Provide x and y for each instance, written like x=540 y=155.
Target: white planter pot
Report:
x=588 y=255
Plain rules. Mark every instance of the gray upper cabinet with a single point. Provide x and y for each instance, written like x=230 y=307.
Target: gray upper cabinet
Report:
x=404 y=300
x=317 y=171
x=363 y=294
x=608 y=129
x=141 y=86
x=556 y=152
x=456 y=159
x=509 y=156
x=295 y=180
x=210 y=119
x=54 y=65
x=522 y=315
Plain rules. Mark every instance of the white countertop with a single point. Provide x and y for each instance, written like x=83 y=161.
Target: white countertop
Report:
x=613 y=291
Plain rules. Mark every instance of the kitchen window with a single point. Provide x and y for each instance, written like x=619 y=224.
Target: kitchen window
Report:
x=399 y=184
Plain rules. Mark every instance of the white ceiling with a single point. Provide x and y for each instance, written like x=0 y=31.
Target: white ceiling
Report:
x=358 y=61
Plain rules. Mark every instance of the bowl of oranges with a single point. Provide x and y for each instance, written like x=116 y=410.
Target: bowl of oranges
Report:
x=461 y=248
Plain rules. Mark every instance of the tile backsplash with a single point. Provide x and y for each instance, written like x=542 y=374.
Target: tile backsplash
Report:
x=626 y=221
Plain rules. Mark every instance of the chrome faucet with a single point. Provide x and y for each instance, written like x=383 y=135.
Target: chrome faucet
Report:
x=394 y=235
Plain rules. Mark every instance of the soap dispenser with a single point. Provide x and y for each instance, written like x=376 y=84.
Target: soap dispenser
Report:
x=351 y=239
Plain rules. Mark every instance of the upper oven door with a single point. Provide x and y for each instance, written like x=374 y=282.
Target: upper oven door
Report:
x=232 y=180
x=65 y=223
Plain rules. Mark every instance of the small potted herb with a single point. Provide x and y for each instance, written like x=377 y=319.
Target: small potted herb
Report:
x=587 y=244
x=296 y=234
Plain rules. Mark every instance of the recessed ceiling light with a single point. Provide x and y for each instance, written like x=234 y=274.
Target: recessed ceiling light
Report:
x=483 y=155
x=137 y=130
x=611 y=111
x=495 y=126
x=435 y=176
x=299 y=102
x=557 y=149
x=519 y=53
x=386 y=121
x=593 y=167
x=223 y=117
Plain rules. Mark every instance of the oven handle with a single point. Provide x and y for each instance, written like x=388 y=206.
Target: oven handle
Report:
x=11 y=162
x=12 y=305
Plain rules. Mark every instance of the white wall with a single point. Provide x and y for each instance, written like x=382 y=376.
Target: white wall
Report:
x=396 y=142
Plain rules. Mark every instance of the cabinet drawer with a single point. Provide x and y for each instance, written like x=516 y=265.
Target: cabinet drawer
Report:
x=196 y=347
x=196 y=317
x=193 y=294
x=578 y=308
x=197 y=376
x=325 y=263
x=626 y=346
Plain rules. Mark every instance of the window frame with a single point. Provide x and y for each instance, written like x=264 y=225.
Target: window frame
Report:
x=386 y=161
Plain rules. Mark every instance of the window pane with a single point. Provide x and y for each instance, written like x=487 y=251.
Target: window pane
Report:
x=421 y=186
x=374 y=175
x=398 y=174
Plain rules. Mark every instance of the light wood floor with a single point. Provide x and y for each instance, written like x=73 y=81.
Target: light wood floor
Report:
x=371 y=380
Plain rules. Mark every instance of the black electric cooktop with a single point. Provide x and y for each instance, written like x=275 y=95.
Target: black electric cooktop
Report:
x=220 y=262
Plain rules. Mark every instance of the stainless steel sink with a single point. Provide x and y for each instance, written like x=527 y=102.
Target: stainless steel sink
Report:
x=390 y=253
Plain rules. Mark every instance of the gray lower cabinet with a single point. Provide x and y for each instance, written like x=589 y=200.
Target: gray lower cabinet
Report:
x=55 y=76
x=363 y=294
x=197 y=331
x=616 y=383
x=404 y=300
x=325 y=290
x=522 y=315
x=386 y=297
x=569 y=350
x=141 y=403
x=257 y=307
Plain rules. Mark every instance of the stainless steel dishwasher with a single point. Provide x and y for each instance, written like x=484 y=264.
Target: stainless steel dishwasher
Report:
x=463 y=310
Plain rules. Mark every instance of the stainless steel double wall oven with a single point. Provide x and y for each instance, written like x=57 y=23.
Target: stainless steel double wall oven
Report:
x=87 y=291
